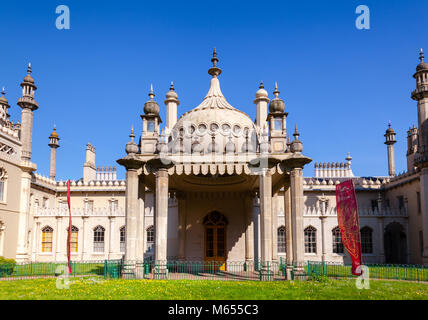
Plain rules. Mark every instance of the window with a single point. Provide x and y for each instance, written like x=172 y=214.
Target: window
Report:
x=310 y=240
x=366 y=240
x=150 y=238
x=418 y=196
x=45 y=203
x=122 y=239
x=3 y=177
x=374 y=205
x=337 y=241
x=99 y=233
x=281 y=240
x=74 y=238
x=278 y=124
x=400 y=200
x=151 y=126
x=47 y=235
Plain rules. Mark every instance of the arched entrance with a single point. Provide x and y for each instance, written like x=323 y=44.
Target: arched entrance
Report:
x=395 y=243
x=215 y=239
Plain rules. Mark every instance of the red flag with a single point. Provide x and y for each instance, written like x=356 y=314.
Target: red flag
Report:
x=347 y=217
x=69 y=228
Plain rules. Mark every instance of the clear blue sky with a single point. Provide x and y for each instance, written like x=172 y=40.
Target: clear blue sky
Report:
x=341 y=85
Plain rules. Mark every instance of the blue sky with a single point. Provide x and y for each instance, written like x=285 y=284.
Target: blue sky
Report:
x=341 y=85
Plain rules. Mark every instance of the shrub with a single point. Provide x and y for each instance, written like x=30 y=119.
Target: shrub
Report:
x=6 y=266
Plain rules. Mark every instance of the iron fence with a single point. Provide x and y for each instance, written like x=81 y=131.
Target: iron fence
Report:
x=202 y=270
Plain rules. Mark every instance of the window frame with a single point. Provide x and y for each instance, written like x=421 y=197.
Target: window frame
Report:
x=99 y=233
x=310 y=238
x=366 y=240
x=47 y=242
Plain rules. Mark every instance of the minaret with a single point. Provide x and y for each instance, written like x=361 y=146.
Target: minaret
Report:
x=421 y=93
x=261 y=102
x=28 y=105
x=151 y=124
x=277 y=119
x=171 y=104
x=390 y=141
x=412 y=148
x=4 y=107
x=53 y=144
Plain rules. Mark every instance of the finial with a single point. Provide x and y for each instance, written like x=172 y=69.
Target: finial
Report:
x=132 y=136
x=296 y=133
x=276 y=92
x=172 y=86
x=421 y=55
x=261 y=85
x=389 y=124
x=348 y=158
x=214 y=71
x=151 y=93
x=2 y=91
x=29 y=68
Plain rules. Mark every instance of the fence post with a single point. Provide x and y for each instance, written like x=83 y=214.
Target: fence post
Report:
x=105 y=268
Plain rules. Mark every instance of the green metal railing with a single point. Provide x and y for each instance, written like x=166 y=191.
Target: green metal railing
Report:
x=202 y=270
x=375 y=271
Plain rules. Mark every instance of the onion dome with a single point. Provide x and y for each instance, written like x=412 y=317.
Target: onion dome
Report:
x=296 y=145
x=277 y=105
x=261 y=93
x=28 y=78
x=151 y=107
x=423 y=65
x=3 y=99
x=171 y=95
x=131 y=146
x=54 y=134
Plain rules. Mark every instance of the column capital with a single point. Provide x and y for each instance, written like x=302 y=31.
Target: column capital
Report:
x=131 y=162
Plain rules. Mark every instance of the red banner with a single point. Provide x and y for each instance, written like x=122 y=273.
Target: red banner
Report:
x=69 y=228
x=347 y=217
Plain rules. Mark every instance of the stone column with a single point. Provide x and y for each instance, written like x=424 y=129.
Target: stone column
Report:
x=288 y=227
x=249 y=230
x=323 y=246
x=141 y=222
x=22 y=249
x=181 y=226
x=52 y=170
x=131 y=214
x=161 y=222
x=2 y=228
x=266 y=221
x=112 y=237
x=84 y=241
x=296 y=183
x=381 y=240
x=275 y=227
x=424 y=211
x=59 y=233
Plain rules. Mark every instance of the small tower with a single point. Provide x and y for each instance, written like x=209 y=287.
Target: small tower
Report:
x=390 y=141
x=296 y=145
x=151 y=124
x=261 y=102
x=171 y=104
x=4 y=108
x=28 y=105
x=53 y=144
x=277 y=123
x=412 y=148
x=421 y=93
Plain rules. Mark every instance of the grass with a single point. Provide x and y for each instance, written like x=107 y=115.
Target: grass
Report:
x=99 y=289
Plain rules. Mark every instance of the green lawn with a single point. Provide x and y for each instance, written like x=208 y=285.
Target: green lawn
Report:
x=87 y=288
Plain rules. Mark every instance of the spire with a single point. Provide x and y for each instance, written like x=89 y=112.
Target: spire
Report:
x=214 y=71
x=296 y=133
x=276 y=92
x=172 y=86
x=261 y=85
x=151 y=93
x=421 y=55
x=3 y=92
x=29 y=68
x=132 y=136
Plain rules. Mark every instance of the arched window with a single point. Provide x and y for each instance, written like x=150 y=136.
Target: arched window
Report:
x=367 y=240
x=47 y=236
x=310 y=240
x=3 y=178
x=150 y=238
x=337 y=241
x=74 y=238
x=99 y=233
x=122 y=239
x=281 y=240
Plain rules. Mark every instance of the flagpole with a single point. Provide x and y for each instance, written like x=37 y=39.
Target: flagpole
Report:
x=69 y=228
